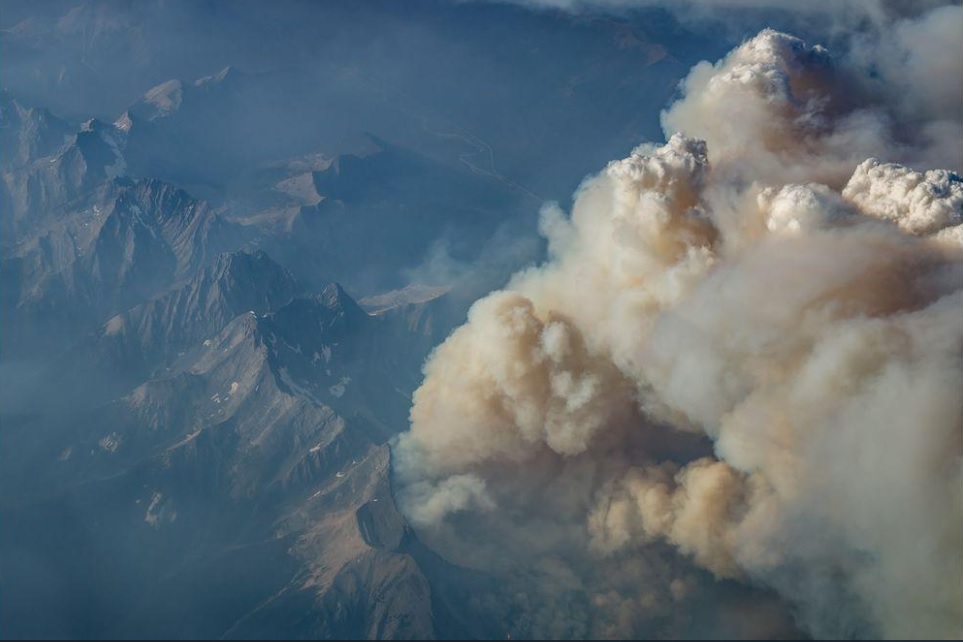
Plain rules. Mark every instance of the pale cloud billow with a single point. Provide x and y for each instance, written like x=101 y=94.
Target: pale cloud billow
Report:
x=783 y=280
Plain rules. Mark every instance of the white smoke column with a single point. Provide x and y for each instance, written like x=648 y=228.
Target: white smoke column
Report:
x=919 y=203
x=772 y=290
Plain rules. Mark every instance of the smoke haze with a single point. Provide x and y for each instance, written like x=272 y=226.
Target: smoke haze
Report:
x=746 y=344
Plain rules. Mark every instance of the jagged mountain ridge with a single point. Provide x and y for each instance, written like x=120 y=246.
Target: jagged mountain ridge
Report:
x=122 y=243
x=27 y=133
x=37 y=192
x=593 y=74
x=143 y=493
x=258 y=435
x=152 y=333
x=146 y=339
x=255 y=394
x=267 y=425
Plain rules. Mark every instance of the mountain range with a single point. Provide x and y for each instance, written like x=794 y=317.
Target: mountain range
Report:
x=230 y=236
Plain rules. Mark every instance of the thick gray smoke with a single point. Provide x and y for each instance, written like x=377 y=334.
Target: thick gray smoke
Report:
x=747 y=344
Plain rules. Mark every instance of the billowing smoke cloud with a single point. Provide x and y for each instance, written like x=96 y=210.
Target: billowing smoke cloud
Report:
x=746 y=344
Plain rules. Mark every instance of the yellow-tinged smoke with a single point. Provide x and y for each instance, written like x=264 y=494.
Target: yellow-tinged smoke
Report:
x=764 y=287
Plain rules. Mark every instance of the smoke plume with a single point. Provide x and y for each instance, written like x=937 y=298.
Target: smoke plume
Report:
x=746 y=345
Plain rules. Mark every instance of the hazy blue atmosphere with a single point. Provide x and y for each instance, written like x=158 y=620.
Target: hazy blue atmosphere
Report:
x=459 y=319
